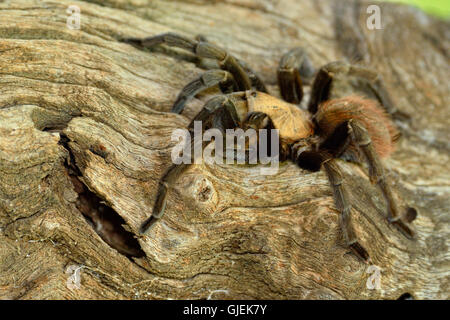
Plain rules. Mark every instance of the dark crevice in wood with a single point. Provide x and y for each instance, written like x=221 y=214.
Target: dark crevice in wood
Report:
x=106 y=222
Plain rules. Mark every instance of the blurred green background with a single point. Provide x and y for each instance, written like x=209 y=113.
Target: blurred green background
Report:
x=440 y=8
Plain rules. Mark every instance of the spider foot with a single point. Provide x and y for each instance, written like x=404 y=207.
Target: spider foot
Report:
x=404 y=228
x=147 y=224
x=401 y=116
x=158 y=209
x=132 y=41
x=359 y=251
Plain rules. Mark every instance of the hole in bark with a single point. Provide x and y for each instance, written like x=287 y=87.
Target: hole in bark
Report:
x=204 y=190
x=406 y=296
x=204 y=194
x=54 y=128
x=106 y=222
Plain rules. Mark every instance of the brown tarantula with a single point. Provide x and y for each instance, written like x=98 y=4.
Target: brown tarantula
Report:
x=335 y=128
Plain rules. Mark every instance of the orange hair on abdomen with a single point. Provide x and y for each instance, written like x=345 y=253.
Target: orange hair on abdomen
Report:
x=332 y=113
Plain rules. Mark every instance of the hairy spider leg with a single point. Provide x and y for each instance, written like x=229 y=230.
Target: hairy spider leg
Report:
x=322 y=84
x=304 y=154
x=205 y=81
x=293 y=67
x=362 y=139
x=257 y=83
x=202 y=49
x=341 y=200
x=220 y=113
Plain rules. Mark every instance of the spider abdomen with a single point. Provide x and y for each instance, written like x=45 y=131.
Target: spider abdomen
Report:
x=333 y=113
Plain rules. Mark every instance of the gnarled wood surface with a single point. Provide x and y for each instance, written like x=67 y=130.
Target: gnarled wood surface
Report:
x=85 y=127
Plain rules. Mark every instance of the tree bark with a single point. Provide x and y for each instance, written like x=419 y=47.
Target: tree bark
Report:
x=85 y=137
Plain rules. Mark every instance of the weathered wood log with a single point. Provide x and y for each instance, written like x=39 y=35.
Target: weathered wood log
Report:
x=85 y=128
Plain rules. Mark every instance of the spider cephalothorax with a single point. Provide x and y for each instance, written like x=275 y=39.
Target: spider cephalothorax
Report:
x=346 y=127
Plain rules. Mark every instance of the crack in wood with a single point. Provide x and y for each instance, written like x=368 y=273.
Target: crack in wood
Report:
x=105 y=221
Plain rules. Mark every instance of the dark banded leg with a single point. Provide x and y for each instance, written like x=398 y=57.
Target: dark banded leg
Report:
x=304 y=154
x=202 y=49
x=256 y=81
x=207 y=80
x=342 y=203
x=376 y=173
x=219 y=112
x=294 y=66
x=322 y=84
x=160 y=204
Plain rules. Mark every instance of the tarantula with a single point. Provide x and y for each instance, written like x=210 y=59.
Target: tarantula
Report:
x=332 y=129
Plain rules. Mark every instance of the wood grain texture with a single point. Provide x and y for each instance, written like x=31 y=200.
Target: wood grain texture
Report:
x=81 y=100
